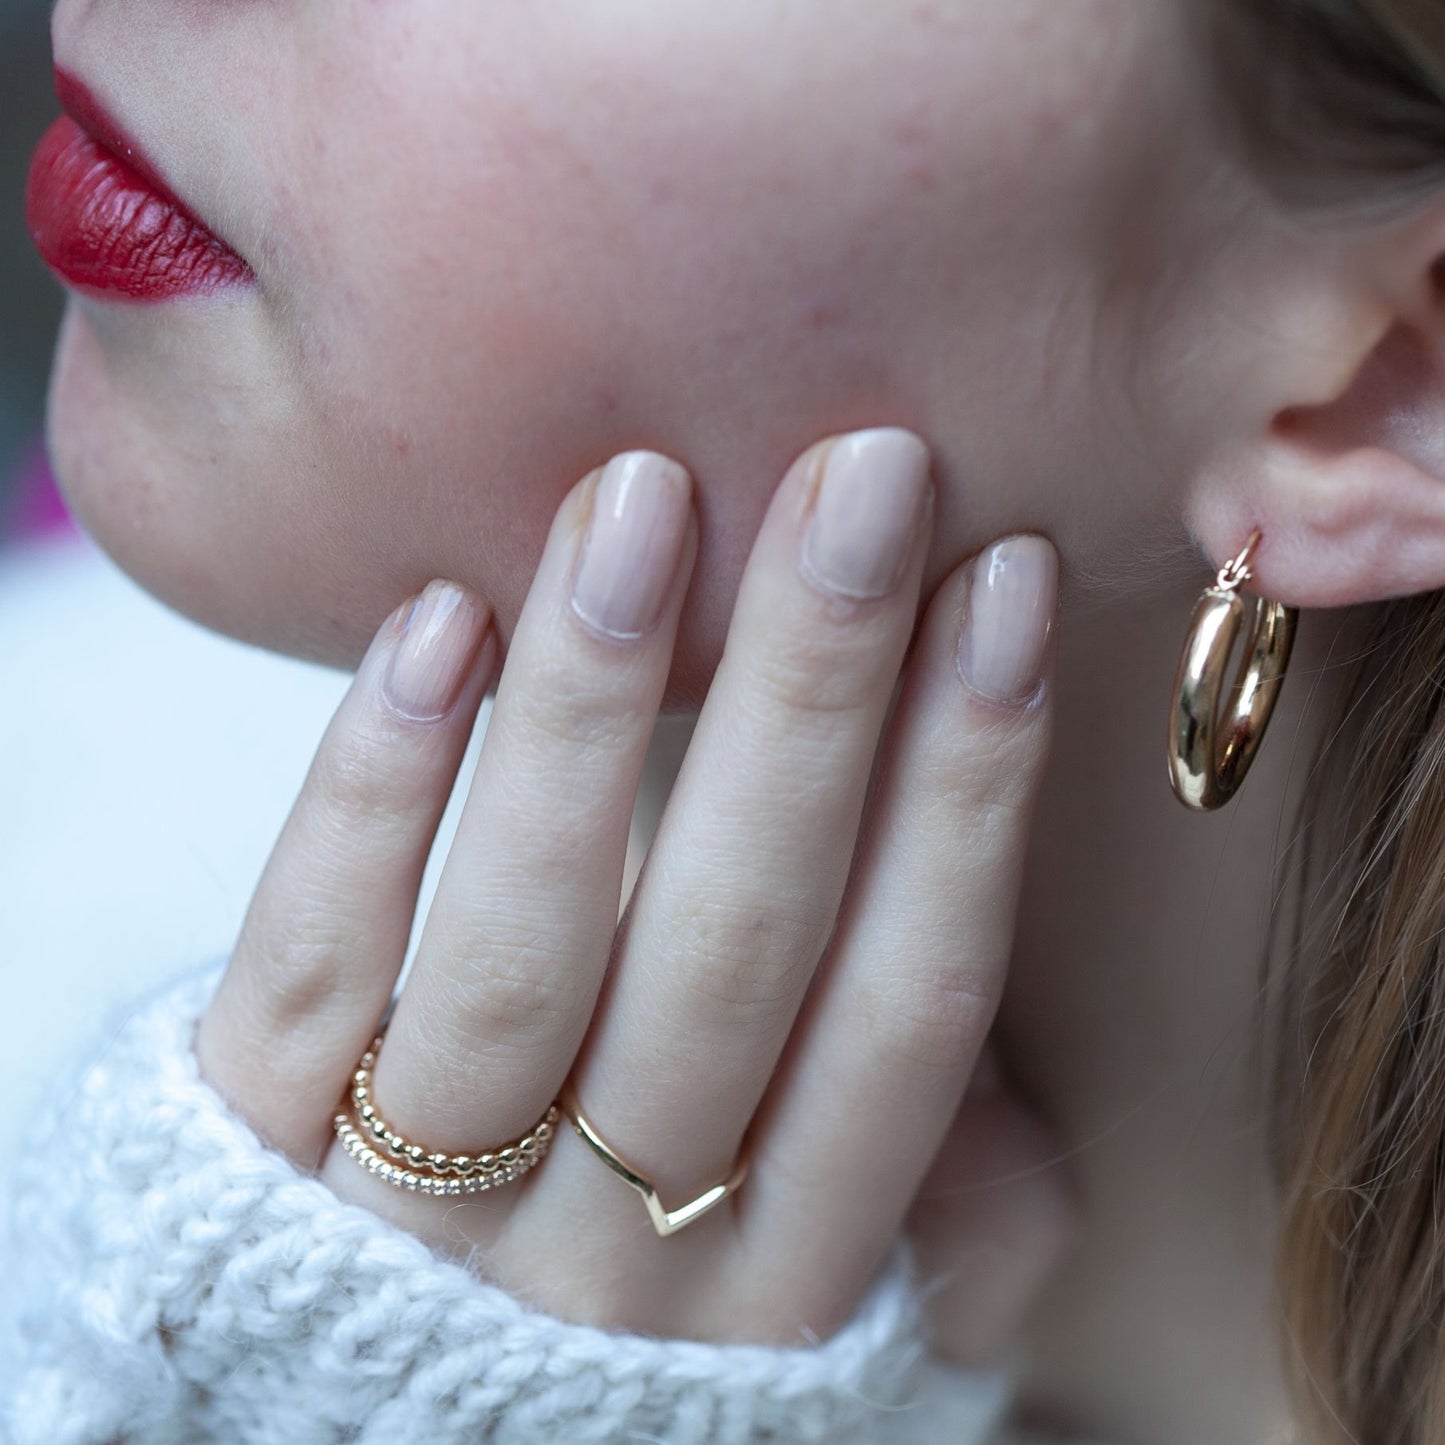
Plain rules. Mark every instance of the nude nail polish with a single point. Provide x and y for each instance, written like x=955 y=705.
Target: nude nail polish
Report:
x=1010 y=616
x=867 y=512
x=633 y=544
x=443 y=632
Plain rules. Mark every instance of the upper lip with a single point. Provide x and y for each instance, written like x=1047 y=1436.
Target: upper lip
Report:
x=78 y=101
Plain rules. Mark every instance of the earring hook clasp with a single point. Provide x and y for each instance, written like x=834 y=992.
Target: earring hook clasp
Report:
x=1236 y=572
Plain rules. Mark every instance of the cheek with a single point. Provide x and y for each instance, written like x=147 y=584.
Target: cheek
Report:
x=483 y=276
x=496 y=287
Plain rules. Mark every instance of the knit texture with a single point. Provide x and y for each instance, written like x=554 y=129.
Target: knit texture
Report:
x=176 y=1282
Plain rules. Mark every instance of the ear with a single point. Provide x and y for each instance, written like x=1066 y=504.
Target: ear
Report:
x=1341 y=460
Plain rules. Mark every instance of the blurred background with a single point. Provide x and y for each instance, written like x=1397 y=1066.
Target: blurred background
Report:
x=30 y=300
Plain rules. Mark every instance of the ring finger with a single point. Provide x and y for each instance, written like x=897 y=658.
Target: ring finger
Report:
x=518 y=935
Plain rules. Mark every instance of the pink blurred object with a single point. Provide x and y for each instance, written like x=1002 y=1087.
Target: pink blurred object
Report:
x=35 y=509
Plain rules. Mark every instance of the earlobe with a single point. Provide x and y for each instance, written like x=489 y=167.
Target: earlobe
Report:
x=1349 y=495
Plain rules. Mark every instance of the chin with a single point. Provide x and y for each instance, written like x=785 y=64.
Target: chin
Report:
x=151 y=491
x=107 y=470
x=200 y=493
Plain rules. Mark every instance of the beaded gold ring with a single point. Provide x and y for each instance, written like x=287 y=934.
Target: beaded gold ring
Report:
x=369 y=1139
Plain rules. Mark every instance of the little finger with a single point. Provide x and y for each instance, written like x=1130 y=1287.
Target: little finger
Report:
x=326 y=931
x=918 y=962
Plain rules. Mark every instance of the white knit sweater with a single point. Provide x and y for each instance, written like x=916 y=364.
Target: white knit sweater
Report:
x=174 y=1282
x=167 y=1278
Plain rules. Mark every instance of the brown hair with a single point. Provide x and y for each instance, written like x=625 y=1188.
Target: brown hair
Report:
x=1334 y=97
x=1344 y=100
x=1359 y=1054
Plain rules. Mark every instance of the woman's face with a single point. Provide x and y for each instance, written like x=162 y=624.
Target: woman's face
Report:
x=495 y=243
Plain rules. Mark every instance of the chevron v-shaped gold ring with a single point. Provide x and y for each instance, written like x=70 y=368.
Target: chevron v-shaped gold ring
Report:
x=664 y=1221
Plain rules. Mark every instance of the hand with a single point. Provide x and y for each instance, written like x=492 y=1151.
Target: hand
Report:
x=771 y=984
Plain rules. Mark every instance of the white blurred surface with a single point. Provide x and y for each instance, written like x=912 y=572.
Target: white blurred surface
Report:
x=146 y=768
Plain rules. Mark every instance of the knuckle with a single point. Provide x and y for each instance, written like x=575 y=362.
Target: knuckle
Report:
x=569 y=708
x=930 y=1020
x=356 y=778
x=292 y=969
x=991 y=774
x=998 y=824
x=746 y=968
x=517 y=991
x=823 y=674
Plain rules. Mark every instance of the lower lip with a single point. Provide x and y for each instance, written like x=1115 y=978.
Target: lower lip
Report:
x=101 y=226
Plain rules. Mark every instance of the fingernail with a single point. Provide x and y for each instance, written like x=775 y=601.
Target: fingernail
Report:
x=866 y=513
x=1010 y=614
x=633 y=543
x=441 y=637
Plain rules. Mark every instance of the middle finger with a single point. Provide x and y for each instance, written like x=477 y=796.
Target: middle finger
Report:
x=742 y=884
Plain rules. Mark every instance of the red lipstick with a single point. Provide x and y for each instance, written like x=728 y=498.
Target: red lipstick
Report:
x=104 y=220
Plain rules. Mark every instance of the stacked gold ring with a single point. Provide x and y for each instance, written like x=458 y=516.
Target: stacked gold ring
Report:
x=426 y=1171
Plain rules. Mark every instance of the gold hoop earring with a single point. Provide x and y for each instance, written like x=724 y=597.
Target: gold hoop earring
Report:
x=1210 y=753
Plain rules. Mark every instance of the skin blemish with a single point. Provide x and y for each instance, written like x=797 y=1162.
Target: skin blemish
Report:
x=912 y=133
